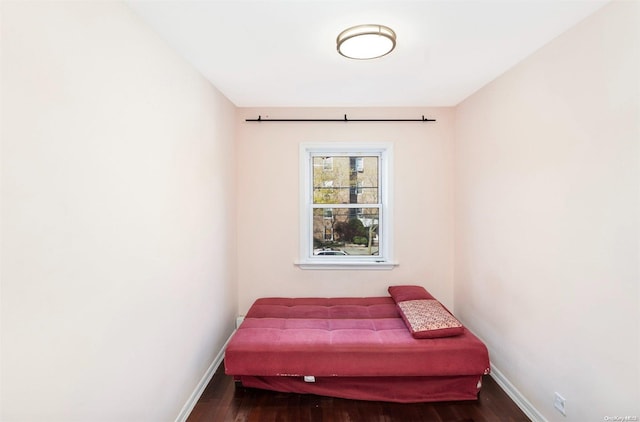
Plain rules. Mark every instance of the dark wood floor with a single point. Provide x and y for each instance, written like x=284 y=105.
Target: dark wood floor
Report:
x=223 y=401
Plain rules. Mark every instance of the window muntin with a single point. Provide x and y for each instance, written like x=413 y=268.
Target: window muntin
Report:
x=345 y=210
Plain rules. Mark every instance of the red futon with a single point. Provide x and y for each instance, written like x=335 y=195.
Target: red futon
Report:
x=405 y=347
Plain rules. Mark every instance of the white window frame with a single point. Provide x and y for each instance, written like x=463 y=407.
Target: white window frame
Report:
x=384 y=259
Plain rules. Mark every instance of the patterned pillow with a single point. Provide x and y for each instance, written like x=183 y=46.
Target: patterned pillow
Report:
x=427 y=318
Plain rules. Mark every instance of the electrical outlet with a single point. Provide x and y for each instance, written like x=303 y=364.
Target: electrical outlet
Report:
x=558 y=403
x=239 y=320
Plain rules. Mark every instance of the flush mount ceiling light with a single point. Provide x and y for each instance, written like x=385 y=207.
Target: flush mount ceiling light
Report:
x=365 y=42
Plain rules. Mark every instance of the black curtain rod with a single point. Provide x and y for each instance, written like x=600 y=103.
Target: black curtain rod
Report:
x=260 y=119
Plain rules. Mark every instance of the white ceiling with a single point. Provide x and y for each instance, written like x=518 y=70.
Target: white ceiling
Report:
x=283 y=53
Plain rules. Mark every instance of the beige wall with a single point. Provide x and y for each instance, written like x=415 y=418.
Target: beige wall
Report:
x=547 y=219
x=268 y=202
x=118 y=238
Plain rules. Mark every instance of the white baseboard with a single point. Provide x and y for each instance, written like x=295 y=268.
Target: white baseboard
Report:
x=195 y=396
x=517 y=397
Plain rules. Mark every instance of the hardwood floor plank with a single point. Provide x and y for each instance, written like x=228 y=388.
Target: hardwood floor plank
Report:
x=223 y=401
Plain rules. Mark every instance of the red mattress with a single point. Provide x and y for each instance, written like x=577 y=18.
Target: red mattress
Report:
x=353 y=347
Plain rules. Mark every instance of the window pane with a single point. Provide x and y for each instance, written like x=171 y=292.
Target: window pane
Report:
x=345 y=231
x=348 y=180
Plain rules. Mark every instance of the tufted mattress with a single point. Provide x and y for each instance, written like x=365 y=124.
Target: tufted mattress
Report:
x=351 y=347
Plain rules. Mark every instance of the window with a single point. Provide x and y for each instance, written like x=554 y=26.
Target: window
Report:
x=327 y=163
x=328 y=233
x=345 y=206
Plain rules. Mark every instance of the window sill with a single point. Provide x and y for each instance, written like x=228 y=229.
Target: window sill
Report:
x=336 y=265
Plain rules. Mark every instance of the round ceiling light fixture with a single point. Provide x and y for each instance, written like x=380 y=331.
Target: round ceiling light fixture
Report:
x=364 y=42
